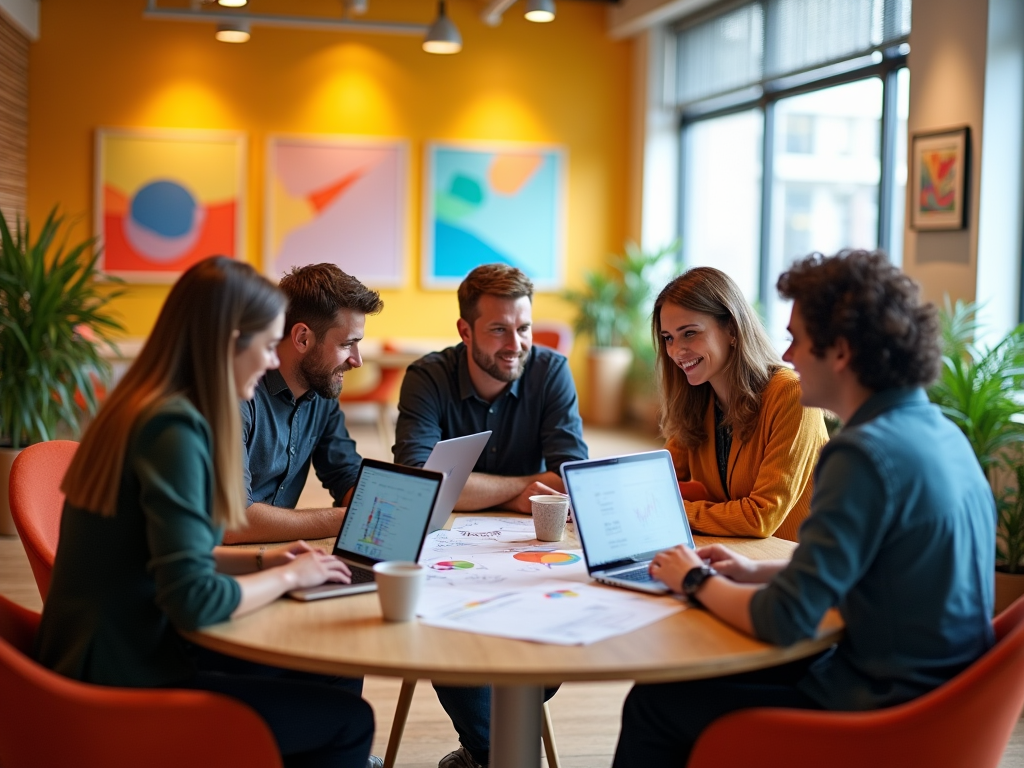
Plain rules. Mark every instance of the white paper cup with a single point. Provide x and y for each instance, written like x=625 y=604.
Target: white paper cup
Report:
x=549 y=514
x=399 y=584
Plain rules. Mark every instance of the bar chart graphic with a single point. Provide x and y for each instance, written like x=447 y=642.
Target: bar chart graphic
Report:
x=378 y=522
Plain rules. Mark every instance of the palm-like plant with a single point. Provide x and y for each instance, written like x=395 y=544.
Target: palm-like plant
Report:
x=53 y=318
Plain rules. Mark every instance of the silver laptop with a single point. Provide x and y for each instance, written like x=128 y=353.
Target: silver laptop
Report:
x=455 y=459
x=627 y=509
x=386 y=520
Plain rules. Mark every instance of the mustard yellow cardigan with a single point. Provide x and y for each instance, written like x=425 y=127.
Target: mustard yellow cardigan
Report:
x=769 y=475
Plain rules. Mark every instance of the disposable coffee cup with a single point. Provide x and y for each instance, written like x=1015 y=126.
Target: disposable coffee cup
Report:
x=549 y=514
x=399 y=584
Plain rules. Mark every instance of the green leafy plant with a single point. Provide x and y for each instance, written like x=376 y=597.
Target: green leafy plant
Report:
x=980 y=391
x=614 y=308
x=53 y=319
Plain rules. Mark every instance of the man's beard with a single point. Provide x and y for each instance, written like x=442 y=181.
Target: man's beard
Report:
x=489 y=364
x=319 y=377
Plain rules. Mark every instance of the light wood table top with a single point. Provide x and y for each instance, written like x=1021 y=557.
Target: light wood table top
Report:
x=347 y=636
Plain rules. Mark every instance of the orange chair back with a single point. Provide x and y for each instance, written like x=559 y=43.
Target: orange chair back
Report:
x=37 y=503
x=965 y=723
x=49 y=720
x=551 y=333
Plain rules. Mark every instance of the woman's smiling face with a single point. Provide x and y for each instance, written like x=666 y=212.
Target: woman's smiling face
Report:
x=697 y=344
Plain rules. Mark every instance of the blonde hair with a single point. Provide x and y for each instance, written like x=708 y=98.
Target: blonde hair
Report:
x=188 y=354
x=750 y=367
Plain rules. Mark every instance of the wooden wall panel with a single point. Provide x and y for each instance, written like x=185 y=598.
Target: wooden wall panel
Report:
x=13 y=119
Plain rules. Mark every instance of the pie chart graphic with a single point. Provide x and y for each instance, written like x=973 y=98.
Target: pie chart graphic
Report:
x=451 y=565
x=560 y=593
x=547 y=558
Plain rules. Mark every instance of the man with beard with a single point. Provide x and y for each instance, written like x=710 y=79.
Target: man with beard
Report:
x=497 y=380
x=295 y=419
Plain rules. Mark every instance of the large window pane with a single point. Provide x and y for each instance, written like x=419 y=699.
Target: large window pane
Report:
x=825 y=177
x=722 y=196
x=899 y=168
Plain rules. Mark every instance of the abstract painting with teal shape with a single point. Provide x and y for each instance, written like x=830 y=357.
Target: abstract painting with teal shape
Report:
x=494 y=205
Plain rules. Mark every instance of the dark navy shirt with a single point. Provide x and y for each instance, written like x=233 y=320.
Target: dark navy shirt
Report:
x=901 y=539
x=535 y=423
x=281 y=436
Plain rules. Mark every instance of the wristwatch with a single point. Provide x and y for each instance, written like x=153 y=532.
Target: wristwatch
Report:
x=694 y=580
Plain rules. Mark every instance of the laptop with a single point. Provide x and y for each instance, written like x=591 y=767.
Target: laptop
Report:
x=627 y=509
x=454 y=459
x=386 y=520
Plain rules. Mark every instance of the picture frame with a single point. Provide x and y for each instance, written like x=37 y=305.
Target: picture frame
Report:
x=939 y=172
x=486 y=202
x=168 y=198
x=339 y=199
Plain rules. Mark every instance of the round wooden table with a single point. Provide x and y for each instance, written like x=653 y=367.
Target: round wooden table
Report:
x=348 y=637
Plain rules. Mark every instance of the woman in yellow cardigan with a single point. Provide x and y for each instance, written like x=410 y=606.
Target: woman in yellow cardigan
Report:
x=743 y=446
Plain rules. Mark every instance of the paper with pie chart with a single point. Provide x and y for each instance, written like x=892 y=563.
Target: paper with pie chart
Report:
x=166 y=199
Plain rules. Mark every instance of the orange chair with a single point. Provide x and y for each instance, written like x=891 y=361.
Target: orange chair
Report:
x=551 y=333
x=49 y=720
x=965 y=723
x=37 y=503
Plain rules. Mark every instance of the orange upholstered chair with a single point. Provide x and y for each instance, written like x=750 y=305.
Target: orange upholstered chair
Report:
x=37 y=502
x=551 y=333
x=49 y=720
x=965 y=723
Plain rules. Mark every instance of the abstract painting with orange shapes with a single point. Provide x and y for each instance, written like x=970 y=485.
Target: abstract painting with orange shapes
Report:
x=340 y=200
x=166 y=199
x=498 y=203
x=938 y=179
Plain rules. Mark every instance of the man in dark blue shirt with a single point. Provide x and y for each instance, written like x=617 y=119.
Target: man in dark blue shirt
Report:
x=497 y=380
x=294 y=420
x=900 y=539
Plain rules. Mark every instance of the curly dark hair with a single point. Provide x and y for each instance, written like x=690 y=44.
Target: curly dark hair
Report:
x=859 y=296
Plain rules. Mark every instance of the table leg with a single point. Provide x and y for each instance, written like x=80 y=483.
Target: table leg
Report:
x=515 y=726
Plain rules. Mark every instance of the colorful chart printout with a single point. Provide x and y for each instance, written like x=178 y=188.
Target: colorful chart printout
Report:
x=547 y=558
x=493 y=204
x=167 y=199
x=340 y=200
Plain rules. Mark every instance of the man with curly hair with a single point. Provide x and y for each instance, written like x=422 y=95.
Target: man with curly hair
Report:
x=900 y=539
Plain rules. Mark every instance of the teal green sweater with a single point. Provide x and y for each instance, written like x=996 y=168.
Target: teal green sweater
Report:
x=123 y=585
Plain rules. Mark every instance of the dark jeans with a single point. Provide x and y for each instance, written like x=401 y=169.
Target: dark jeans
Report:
x=470 y=711
x=661 y=723
x=317 y=721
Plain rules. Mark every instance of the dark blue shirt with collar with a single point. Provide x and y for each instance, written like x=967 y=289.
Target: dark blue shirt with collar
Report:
x=535 y=423
x=901 y=539
x=281 y=436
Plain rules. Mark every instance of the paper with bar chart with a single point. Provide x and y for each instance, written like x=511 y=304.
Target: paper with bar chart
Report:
x=491 y=575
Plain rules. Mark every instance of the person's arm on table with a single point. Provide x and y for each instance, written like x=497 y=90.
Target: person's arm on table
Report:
x=267 y=523
x=485 y=491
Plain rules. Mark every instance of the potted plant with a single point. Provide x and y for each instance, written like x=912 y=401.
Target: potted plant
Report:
x=53 y=321
x=614 y=311
x=979 y=390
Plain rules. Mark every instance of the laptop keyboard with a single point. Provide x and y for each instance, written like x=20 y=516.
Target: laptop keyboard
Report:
x=360 y=575
x=637 y=574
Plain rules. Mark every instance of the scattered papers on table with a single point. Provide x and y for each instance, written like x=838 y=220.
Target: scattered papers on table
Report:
x=548 y=612
x=491 y=575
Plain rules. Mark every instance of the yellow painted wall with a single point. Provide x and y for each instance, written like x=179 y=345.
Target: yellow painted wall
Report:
x=99 y=63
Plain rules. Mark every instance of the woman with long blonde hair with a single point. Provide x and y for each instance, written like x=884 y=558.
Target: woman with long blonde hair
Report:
x=743 y=446
x=152 y=486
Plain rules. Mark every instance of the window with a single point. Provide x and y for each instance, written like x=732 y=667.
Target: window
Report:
x=794 y=137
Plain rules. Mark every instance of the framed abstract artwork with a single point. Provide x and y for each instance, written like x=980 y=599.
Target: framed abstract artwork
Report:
x=486 y=203
x=337 y=199
x=166 y=199
x=938 y=179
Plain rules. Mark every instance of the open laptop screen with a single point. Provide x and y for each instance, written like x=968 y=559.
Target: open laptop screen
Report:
x=388 y=514
x=627 y=507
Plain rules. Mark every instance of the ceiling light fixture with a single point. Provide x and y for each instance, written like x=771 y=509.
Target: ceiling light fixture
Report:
x=232 y=3
x=357 y=7
x=443 y=36
x=540 y=10
x=235 y=32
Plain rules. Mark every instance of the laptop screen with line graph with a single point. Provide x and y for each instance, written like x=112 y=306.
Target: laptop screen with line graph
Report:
x=387 y=517
x=626 y=507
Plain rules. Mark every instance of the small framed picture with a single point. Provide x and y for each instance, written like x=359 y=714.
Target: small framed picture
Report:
x=938 y=179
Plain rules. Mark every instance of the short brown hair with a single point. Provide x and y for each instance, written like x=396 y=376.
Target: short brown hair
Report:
x=499 y=280
x=317 y=292
x=860 y=296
